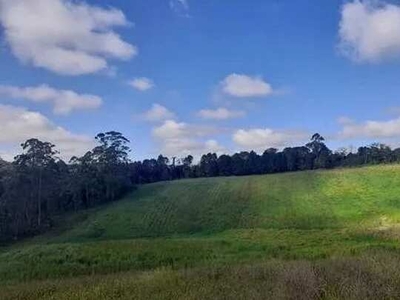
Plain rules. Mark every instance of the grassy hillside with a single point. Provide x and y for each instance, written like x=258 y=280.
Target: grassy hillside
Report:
x=257 y=226
x=348 y=198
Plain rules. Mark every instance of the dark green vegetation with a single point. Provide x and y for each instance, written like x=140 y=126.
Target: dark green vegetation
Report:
x=306 y=235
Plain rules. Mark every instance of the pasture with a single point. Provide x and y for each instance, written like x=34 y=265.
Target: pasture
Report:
x=318 y=234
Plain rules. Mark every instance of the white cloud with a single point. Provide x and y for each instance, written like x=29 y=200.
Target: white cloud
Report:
x=260 y=139
x=344 y=120
x=142 y=84
x=172 y=129
x=370 y=30
x=63 y=101
x=8 y=155
x=180 y=7
x=243 y=86
x=220 y=114
x=174 y=4
x=64 y=36
x=158 y=113
x=19 y=124
x=180 y=139
x=212 y=146
x=370 y=129
x=196 y=148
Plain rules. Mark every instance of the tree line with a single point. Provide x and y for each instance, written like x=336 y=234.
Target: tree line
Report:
x=38 y=186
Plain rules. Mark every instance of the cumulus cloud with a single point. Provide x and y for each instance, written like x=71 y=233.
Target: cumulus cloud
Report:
x=172 y=129
x=212 y=146
x=370 y=129
x=244 y=86
x=19 y=124
x=158 y=113
x=196 y=148
x=369 y=30
x=261 y=139
x=180 y=138
x=63 y=101
x=63 y=36
x=141 y=84
x=220 y=114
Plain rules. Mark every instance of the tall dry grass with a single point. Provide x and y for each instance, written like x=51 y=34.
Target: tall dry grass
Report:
x=373 y=276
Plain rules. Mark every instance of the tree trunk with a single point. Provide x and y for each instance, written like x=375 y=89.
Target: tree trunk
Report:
x=39 y=203
x=87 y=195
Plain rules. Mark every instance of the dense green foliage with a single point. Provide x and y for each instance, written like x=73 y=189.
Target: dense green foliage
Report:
x=194 y=238
x=38 y=186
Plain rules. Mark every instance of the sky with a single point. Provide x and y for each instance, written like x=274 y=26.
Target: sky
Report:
x=182 y=77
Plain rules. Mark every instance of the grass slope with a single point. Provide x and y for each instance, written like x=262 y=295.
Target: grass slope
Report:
x=204 y=224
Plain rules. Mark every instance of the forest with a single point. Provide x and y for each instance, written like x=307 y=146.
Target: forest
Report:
x=38 y=186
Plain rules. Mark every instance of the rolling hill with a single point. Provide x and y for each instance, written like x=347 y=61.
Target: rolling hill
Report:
x=280 y=236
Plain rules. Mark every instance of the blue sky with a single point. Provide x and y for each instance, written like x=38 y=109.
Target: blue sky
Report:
x=179 y=77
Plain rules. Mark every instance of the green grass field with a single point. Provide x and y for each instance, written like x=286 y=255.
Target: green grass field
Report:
x=321 y=234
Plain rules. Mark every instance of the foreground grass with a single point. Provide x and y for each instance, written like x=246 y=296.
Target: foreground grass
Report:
x=228 y=248
x=375 y=276
x=170 y=238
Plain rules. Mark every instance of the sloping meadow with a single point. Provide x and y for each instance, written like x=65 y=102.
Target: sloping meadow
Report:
x=218 y=223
